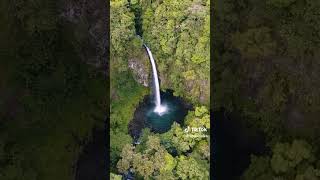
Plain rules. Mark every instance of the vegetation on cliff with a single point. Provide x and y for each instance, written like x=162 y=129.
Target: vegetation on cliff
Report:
x=171 y=155
x=266 y=70
x=50 y=98
x=178 y=35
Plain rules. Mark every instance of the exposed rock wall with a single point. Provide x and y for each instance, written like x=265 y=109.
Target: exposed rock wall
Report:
x=140 y=71
x=90 y=22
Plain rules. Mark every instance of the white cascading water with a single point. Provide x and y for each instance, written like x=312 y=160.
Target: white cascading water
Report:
x=159 y=108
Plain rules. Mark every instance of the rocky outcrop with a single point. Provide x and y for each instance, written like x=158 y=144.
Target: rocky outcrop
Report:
x=140 y=69
x=88 y=20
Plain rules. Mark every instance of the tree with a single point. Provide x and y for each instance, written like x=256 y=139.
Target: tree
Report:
x=127 y=155
x=259 y=169
x=123 y=40
x=179 y=140
x=179 y=34
x=288 y=161
x=287 y=156
x=188 y=168
x=264 y=55
x=280 y=3
x=199 y=118
x=36 y=16
x=255 y=43
x=147 y=163
x=118 y=140
x=115 y=176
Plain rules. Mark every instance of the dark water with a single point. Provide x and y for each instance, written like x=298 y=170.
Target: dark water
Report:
x=144 y=116
x=234 y=142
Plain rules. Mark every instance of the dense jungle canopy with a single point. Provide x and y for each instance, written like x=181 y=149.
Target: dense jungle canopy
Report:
x=266 y=70
x=178 y=35
x=50 y=97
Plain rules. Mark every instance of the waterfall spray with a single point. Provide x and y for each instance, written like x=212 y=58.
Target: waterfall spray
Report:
x=159 y=108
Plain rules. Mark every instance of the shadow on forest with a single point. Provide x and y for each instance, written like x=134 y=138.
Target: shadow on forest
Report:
x=91 y=164
x=234 y=142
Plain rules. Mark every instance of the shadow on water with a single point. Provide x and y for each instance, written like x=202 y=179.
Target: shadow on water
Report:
x=144 y=117
x=234 y=143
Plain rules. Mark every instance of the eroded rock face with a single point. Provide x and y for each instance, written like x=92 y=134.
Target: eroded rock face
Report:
x=140 y=71
x=89 y=21
x=204 y=91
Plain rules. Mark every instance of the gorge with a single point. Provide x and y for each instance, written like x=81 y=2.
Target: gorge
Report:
x=148 y=114
x=160 y=110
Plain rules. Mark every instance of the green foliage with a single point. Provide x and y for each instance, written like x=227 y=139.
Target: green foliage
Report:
x=51 y=99
x=288 y=161
x=178 y=32
x=203 y=149
x=143 y=140
x=280 y=3
x=127 y=94
x=183 y=141
x=115 y=176
x=199 y=118
x=149 y=162
x=155 y=161
x=118 y=140
x=310 y=173
x=259 y=169
x=264 y=54
x=170 y=163
x=121 y=26
x=287 y=156
x=166 y=175
x=188 y=168
x=153 y=156
x=36 y=15
x=179 y=140
x=127 y=155
x=200 y=111
x=255 y=43
x=123 y=40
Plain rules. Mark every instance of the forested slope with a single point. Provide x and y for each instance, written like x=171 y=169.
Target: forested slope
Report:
x=50 y=97
x=177 y=33
x=266 y=68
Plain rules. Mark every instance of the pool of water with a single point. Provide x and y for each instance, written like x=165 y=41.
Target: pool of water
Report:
x=175 y=111
x=145 y=117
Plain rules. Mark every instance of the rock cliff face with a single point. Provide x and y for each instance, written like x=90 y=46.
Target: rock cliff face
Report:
x=90 y=27
x=140 y=68
x=140 y=72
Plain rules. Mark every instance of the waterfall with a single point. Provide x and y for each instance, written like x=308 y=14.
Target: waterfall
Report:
x=159 y=108
x=155 y=78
